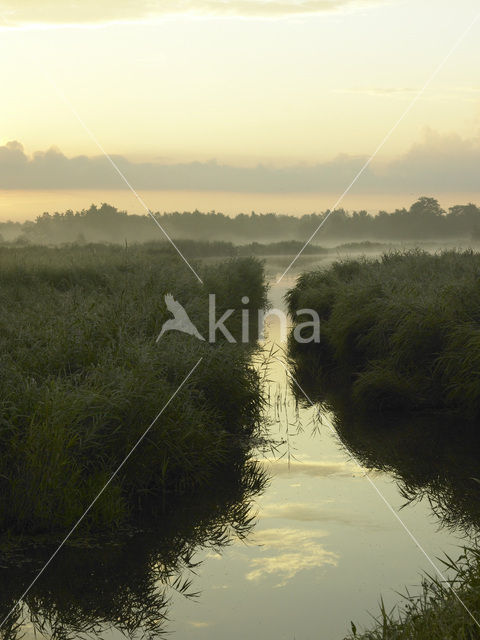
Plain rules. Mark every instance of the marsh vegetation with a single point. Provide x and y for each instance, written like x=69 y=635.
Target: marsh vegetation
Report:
x=82 y=378
x=401 y=332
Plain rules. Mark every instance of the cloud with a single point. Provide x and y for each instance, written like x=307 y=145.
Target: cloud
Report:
x=469 y=94
x=379 y=91
x=293 y=511
x=54 y=12
x=313 y=469
x=299 y=512
x=439 y=163
x=293 y=551
x=51 y=169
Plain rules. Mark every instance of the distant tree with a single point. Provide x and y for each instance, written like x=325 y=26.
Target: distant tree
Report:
x=425 y=220
x=426 y=206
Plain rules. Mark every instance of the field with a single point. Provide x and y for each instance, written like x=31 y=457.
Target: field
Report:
x=399 y=333
x=82 y=377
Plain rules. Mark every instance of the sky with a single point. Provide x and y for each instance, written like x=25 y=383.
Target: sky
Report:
x=248 y=96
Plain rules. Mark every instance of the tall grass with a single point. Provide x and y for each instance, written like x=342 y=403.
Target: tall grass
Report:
x=82 y=377
x=437 y=613
x=402 y=332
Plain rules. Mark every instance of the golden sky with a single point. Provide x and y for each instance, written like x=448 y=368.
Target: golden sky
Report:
x=241 y=82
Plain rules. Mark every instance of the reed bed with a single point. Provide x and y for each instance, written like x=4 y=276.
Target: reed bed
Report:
x=82 y=377
x=401 y=332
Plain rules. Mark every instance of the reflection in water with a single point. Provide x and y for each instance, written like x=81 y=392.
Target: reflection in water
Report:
x=288 y=551
x=316 y=469
x=430 y=456
x=426 y=461
x=126 y=584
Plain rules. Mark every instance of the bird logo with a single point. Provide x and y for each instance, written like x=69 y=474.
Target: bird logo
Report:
x=180 y=320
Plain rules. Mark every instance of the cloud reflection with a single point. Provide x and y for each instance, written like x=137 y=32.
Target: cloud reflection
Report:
x=304 y=512
x=200 y=625
x=291 y=551
x=314 y=469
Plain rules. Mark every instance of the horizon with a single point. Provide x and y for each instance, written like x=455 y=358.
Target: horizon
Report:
x=27 y=207
x=206 y=113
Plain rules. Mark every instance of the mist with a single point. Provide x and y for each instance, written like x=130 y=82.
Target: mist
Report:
x=424 y=220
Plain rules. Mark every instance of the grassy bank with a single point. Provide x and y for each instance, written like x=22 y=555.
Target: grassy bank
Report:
x=82 y=377
x=401 y=332
x=437 y=613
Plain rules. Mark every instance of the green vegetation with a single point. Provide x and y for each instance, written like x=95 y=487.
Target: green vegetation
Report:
x=424 y=220
x=82 y=377
x=437 y=613
x=283 y=247
x=401 y=332
x=218 y=248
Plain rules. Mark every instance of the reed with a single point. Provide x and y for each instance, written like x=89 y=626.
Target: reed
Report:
x=401 y=331
x=82 y=377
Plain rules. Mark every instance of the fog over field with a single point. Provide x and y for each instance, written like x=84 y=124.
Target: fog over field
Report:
x=423 y=221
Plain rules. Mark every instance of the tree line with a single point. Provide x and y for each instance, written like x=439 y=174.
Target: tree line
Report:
x=424 y=220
